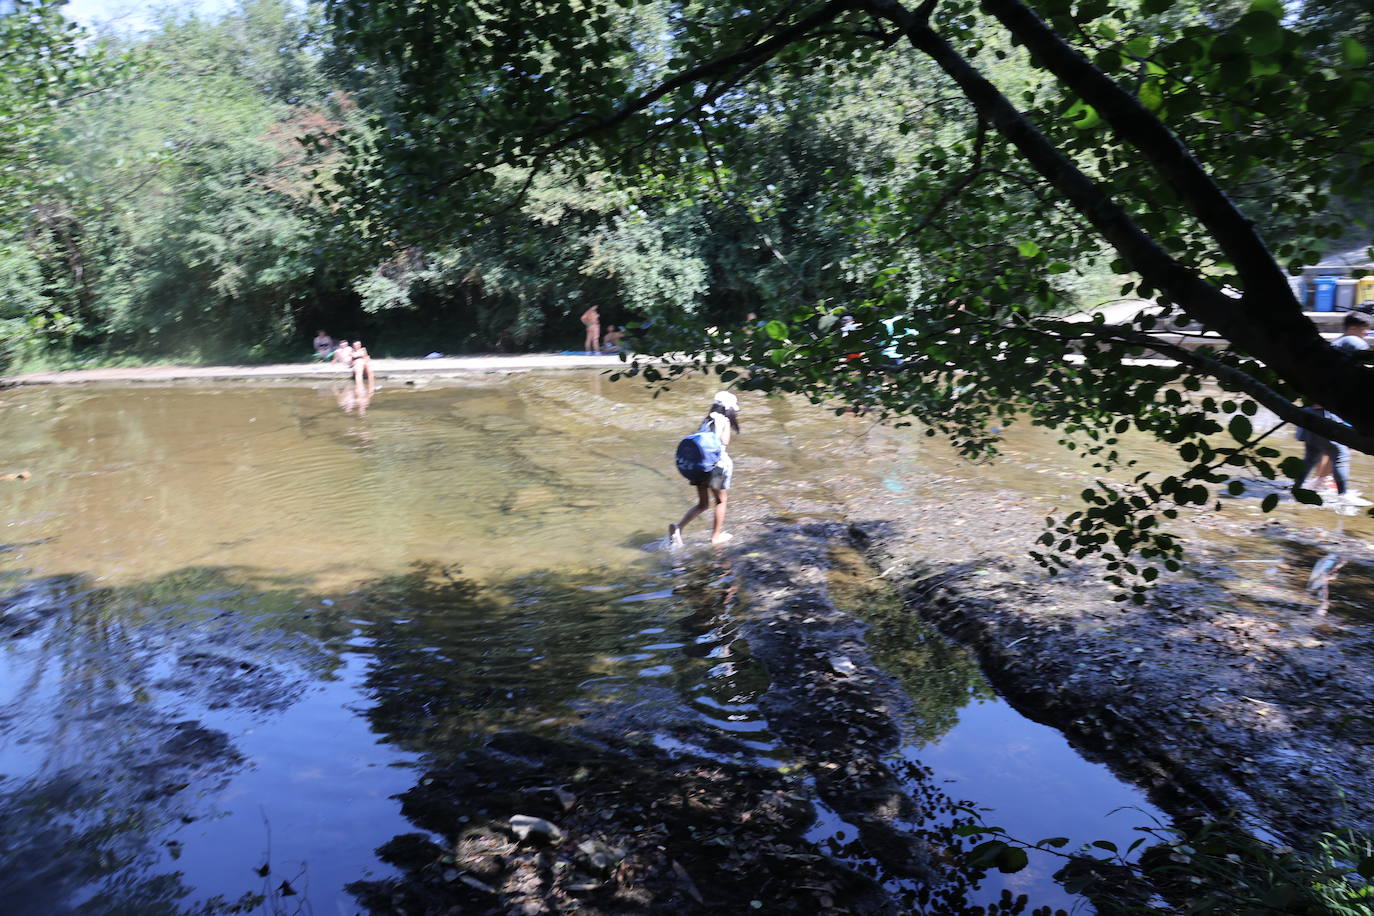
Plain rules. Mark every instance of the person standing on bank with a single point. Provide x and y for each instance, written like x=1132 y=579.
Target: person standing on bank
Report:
x=1354 y=330
x=591 y=320
x=704 y=460
x=1320 y=454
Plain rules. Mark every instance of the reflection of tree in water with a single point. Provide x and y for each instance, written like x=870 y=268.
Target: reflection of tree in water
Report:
x=496 y=683
x=642 y=828
x=454 y=660
x=106 y=763
x=940 y=677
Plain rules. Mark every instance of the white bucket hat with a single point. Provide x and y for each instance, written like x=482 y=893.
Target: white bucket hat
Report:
x=727 y=400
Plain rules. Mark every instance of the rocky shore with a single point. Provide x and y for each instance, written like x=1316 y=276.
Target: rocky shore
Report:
x=1228 y=692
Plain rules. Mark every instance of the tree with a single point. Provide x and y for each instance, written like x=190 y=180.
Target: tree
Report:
x=49 y=65
x=181 y=215
x=1163 y=130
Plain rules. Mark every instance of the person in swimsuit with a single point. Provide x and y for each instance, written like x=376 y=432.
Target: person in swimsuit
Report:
x=724 y=419
x=610 y=342
x=362 y=364
x=591 y=320
x=343 y=354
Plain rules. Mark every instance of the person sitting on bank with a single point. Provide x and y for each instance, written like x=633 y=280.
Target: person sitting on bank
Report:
x=323 y=344
x=1355 y=328
x=610 y=341
x=343 y=354
x=362 y=364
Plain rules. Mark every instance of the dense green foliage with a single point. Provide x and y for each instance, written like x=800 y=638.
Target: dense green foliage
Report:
x=171 y=209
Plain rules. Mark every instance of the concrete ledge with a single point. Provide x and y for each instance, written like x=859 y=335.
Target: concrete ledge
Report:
x=383 y=368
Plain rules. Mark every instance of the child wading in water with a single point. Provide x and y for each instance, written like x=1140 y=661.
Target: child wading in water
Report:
x=721 y=421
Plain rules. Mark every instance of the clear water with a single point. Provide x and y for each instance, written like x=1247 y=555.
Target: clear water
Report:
x=237 y=621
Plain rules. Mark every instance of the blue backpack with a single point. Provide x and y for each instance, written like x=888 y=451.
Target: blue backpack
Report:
x=699 y=453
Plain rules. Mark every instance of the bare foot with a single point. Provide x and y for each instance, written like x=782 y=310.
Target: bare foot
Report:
x=721 y=538
x=674 y=536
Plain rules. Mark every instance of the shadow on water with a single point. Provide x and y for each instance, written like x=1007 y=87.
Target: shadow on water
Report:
x=102 y=759
x=141 y=722
x=128 y=710
x=656 y=805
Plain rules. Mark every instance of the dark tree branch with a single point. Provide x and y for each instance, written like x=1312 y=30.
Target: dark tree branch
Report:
x=738 y=63
x=1267 y=324
x=1237 y=379
x=1136 y=125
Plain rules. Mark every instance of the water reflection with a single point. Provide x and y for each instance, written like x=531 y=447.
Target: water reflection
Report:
x=104 y=754
x=356 y=396
x=666 y=788
x=1319 y=582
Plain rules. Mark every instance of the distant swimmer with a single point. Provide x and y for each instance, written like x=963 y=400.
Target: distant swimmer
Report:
x=18 y=475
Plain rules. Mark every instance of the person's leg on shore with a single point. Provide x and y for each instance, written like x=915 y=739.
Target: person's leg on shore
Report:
x=1340 y=466
x=1322 y=473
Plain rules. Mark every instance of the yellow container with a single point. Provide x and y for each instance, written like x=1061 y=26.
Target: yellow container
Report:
x=1364 y=291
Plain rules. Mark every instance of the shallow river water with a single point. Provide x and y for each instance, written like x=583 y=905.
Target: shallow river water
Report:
x=236 y=621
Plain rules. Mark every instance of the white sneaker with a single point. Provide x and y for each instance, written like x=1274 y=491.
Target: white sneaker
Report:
x=1353 y=499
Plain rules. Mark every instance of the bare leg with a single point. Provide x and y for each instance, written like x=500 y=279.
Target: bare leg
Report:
x=703 y=503
x=592 y=342
x=1322 y=471
x=718 y=535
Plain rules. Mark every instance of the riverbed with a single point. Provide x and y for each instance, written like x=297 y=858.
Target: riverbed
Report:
x=244 y=624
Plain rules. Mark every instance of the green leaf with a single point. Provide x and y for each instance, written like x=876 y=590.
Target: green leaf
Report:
x=1353 y=53
x=1151 y=95
x=1291 y=467
x=1028 y=249
x=1263 y=34
x=987 y=853
x=776 y=330
x=1240 y=428
x=1269 y=502
x=1307 y=497
x=1012 y=859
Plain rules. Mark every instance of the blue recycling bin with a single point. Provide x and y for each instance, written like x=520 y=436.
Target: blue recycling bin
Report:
x=1324 y=294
